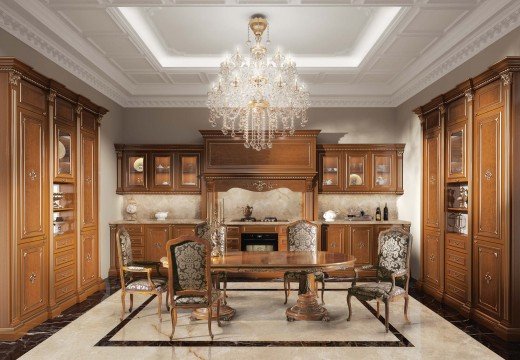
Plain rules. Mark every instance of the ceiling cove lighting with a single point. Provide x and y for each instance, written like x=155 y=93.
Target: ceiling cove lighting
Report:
x=258 y=96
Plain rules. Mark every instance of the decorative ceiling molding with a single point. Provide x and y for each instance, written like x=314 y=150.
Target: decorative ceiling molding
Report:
x=14 y=24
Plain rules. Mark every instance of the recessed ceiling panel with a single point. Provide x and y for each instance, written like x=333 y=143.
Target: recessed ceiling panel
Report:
x=433 y=20
x=90 y=20
x=132 y=64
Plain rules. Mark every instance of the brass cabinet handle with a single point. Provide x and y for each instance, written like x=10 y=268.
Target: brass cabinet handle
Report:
x=361 y=245
x=32 y=277
x=488 y=278
x=432 y=257
x=32 y=174
x=488 y=174
x=88 y=257
x=157 y=245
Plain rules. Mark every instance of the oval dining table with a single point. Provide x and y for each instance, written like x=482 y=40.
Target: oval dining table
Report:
x=304 y=262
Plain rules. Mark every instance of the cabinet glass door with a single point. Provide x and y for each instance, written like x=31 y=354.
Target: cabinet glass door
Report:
x=357 y=168
x=189 y=172
x=136 y=175
x=64 y=157
x=383 y=175
x=330 y=172
x=457 y=151
x=162 y=171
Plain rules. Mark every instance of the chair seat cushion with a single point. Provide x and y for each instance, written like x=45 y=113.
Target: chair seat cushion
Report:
x=143 y=285
x=191 y=300
x=371 y=291
x=295 y=276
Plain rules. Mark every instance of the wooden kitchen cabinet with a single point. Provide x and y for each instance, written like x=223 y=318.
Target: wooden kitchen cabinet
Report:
x=159 y=169
x=488 y=265
x=360 y=168
x=88 y=257
x=155 y=239
x=334 y=236
x=33 y=282
x=432 y=258
x=361 y=244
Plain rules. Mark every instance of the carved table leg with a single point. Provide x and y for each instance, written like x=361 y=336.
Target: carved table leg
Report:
x=307 y=307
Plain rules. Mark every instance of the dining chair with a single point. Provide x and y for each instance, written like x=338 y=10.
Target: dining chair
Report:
x=302 y=235
x=129 y=268
x=189 y=278
x=393 y=273
x=204 y=231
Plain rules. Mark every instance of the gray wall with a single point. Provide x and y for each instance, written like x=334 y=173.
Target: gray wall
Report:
x=410 y=203
x=111 y=132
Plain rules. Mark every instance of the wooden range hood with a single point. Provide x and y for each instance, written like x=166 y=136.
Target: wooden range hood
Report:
x=290 y=163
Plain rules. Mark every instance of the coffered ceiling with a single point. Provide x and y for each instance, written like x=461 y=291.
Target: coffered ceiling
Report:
x=166 y=53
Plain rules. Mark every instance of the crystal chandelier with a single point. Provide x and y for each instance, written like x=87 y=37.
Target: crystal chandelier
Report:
x=258 y=96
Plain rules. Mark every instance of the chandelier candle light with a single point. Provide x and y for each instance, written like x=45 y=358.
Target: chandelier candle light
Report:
x=258 y=96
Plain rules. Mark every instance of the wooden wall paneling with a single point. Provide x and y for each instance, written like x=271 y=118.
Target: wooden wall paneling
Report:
x=89 y=260
x=33 y=277
x=88 y=180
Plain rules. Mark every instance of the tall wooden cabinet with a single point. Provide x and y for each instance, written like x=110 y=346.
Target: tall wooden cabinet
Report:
x=48 y=198
x=471 y=208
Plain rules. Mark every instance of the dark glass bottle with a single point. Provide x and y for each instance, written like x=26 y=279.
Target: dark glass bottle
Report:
x=378 y=214
x=385 y=213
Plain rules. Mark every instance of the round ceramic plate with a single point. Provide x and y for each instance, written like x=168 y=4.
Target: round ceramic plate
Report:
x=138 y=165
x=61 y=150
x=355 y=179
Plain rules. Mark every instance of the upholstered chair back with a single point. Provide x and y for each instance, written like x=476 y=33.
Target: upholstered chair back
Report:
x=190 y=259
x=302 y=236
x=203 y=231
x=394 y=251
x=125 y=248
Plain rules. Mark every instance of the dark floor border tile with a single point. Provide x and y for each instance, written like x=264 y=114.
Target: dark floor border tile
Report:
x=106 y=340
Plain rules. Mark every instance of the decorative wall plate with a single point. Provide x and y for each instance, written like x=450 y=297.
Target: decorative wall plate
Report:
x=61 y=150
x=138 y=165
x=355 y=179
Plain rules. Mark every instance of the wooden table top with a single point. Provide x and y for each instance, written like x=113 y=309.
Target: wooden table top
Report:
x=280 y=261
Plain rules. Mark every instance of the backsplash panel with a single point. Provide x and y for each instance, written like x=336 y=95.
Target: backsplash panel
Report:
x=178 y=206
x=281 y=203
x=353 y=203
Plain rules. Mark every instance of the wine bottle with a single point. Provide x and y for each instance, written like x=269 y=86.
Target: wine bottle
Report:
x=378 y=214
x=385 y=213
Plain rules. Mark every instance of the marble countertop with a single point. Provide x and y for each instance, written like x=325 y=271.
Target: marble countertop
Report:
x=367 y=222
x=151 y=221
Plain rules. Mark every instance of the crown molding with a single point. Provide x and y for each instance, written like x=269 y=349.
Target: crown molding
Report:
x=487 y=33
x=19 y=27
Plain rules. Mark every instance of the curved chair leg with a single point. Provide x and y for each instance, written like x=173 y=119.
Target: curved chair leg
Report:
x=286 y=288
x=218 y=313
x=210 y=315
x=159 y=296
x=387 y=315
x=322 y=291
x=173 y=314
x=377 y=308
x=123 y=305
x=131 y=302
x=349 y=296
x=406 y=298
x=167 y=300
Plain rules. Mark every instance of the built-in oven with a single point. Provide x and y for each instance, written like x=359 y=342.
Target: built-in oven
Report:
x=259 y=242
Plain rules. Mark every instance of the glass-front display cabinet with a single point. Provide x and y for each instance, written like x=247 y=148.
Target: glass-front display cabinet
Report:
x=456 y=152
x=162 y=172
x=64 y=153
x=330 y=164
x=135 y=164
x=357 y=171
x=189 y=172
x=383 y=173
x=63 y=208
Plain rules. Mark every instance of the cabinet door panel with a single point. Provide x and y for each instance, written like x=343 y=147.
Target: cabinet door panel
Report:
x=488 y=265
x=89 y=263
x=135 y=171
x=488 y=174
x=183 y=230
x=32 y=277
x=456 y=151
x=88 y=181
x=431 y=258
x=188 y=172
x=335 y=238
x=330 y=171
x=384 y=171
x=361 y=244
x=161 y=172
x=64 y=152
x=357 y=171
x=32 y=168
x=432 y=180
x=156 y=238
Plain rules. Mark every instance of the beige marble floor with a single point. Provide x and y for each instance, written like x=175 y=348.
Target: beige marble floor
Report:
x=432 y=337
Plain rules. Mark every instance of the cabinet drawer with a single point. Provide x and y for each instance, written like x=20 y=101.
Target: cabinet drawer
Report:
x=64 y=274
x=232 y=245
x=456 y=258
x=134 y=229
x=63 y=290
x=233 y=231
x=62 y=243
x=138 y=253
x=263 y=229
x=456 y=290
x=456 y=243
x=456 y=273
x=137 y=240
x=64 y=258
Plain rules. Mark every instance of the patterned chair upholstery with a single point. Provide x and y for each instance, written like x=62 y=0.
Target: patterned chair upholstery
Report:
x=302 y=236
x=189 y=277
x=128 y=268
x=203 y=230
x=393 y=273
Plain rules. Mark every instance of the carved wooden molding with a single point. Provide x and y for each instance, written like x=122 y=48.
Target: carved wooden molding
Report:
x=14 y=78
x=259 y=184
x=52 y=96
x=469 y=94
x=506 y=78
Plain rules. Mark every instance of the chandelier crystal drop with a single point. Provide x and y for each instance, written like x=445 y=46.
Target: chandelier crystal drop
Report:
x=259 y=97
